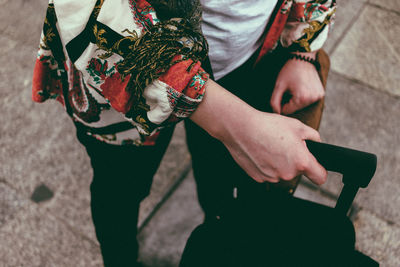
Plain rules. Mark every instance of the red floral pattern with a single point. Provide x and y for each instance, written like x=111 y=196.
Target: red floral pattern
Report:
x=304 y=11
x=180 y=77
x=114 y=90
x=143 y=13
x=97 y=69
x=46 y=84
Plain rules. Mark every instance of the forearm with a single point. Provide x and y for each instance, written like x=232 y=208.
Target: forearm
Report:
x=267 y=146
x=220 y=111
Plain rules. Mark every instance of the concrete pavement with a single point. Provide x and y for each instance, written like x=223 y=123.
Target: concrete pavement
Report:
x=45 y=174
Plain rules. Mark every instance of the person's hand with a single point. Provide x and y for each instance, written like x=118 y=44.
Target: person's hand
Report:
x=298 y=81
x=268 y=147
x=273 y=148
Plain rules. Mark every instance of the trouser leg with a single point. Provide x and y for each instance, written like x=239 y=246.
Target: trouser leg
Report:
x=122 y=177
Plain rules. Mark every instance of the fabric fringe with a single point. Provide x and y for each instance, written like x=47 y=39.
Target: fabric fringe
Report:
x=152 y=54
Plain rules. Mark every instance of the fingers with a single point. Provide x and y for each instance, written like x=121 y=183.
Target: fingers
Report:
x=251 y=168
x=276 y=98
x=315 y=172
x=308 y=133
x=259 y=175
x=290 y=107
x=299 y=101
x=264 y=178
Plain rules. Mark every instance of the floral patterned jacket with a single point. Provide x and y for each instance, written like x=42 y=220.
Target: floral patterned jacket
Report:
x=114 y=64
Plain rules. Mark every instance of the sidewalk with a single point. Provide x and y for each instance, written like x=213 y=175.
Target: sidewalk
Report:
x=44 y=174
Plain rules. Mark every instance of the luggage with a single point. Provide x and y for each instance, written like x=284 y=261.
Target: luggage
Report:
x=277 y=229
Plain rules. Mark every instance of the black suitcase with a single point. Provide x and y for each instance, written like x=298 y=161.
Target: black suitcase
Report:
x=280 y=230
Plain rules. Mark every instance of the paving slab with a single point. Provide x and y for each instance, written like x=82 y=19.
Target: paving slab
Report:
x=39 y=148
x=23 y=20
x=370 y=50
x=35 y=238
x=387 y=4
x=377 y=238
x=162 y=241
x=346 y=14
x=392 y=250
x=10 y=203
x=362 y=118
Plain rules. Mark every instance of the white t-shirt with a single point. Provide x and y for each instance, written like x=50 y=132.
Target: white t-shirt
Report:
x=233 y=29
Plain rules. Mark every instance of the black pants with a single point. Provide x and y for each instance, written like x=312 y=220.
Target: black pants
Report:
x=123 y=175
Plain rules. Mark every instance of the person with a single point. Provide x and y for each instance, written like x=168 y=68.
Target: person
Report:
x=128 y=71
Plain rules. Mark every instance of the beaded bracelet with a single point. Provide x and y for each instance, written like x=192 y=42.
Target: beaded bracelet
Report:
x=306 y=59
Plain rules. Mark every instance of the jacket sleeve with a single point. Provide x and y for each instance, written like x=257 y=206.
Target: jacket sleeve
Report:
x=308 y=24
x=145 y=69
x=168 y=56
x=49 y=70
x=174 y=96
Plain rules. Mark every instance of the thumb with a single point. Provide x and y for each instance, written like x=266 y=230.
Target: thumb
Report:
x=290 y=107
x=314 y=171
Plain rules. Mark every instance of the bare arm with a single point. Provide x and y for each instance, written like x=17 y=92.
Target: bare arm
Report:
x=269 y=147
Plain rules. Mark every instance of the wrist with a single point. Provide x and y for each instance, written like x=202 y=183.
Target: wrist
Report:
x=310 y=57
x=221 y=113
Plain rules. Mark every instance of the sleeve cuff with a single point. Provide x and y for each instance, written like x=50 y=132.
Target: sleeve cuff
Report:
x=173 y=97
x=308 y=25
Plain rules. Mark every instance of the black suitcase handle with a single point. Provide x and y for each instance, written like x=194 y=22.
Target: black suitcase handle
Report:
x=357 y=168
